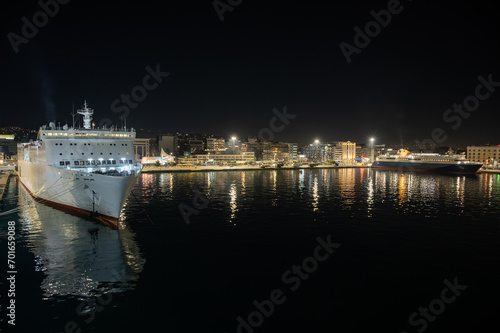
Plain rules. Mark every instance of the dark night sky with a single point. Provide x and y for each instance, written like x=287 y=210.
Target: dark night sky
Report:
x=227 y=76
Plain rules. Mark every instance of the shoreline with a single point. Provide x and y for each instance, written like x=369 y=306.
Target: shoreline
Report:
x=155 y=169
x=489 y=171
x=4 y=179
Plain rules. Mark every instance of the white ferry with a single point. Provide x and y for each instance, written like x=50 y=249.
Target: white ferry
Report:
x=407 y=161
x=88 y=170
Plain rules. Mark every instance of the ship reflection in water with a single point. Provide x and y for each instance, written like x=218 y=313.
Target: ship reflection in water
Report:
x=77 y=256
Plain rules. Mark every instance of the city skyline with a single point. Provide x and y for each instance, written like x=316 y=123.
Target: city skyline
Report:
x=396 y=71
x=24 y=133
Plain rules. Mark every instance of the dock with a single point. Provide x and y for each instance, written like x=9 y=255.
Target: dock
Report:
x=4 y=178
x=154 y=169
x=497 y=171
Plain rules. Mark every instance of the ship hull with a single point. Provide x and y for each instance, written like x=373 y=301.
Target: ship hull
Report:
x=463 y=168
x=93 y=194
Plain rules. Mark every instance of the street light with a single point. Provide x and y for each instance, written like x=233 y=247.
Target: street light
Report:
x=372 y=155
x=317 y=154
x=234 y=143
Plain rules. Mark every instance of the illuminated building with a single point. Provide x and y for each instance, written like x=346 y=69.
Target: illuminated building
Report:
x=489 y=155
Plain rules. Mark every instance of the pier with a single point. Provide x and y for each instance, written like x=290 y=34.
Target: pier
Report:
x=489 y=171
x=153 y=169
x=4 y=178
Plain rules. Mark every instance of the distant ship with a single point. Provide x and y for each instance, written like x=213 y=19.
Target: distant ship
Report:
x=88 y=170
x=426 y=162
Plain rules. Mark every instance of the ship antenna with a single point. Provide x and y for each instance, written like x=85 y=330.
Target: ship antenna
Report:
x=73 y=114
x=87 y=115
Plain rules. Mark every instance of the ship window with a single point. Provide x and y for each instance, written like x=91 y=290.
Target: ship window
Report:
x=121 y=161
x=130 y=161
x=77 y=163
x=71 y=153
x=61 y=163
x=70 y=144
x=110 y=153
x=87 y=162
x=60 y=153
x=91 y=153
x=97 y=162
x=83 y=153
x=113 y=162
x=93 y=162
x=67 y=163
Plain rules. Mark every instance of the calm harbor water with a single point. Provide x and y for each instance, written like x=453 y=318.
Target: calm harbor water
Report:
x=336 y=250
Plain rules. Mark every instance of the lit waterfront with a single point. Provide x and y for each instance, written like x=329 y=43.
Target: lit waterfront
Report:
x=401 y=235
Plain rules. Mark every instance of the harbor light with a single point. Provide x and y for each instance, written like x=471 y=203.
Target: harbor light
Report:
x=372 y=153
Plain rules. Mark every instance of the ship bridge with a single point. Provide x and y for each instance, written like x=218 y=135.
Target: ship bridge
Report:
x=99 y=150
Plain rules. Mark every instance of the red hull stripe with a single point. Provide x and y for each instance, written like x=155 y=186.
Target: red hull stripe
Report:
x=112 y=220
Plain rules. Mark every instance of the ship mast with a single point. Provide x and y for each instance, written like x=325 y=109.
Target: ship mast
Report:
x=87 y=115
x=73 y=114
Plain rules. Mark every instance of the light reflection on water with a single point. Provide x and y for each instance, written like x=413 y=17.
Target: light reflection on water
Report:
x=363 y=193
x=78 y=257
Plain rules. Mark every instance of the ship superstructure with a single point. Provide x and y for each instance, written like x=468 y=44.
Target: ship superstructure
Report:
x=432 y=162
x=87 y=169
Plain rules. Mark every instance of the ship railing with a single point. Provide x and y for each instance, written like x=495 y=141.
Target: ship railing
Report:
x=79 y=128
x=89 y=134
x=115 y=172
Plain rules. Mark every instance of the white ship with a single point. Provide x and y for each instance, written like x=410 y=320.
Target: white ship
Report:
x=88 y=170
